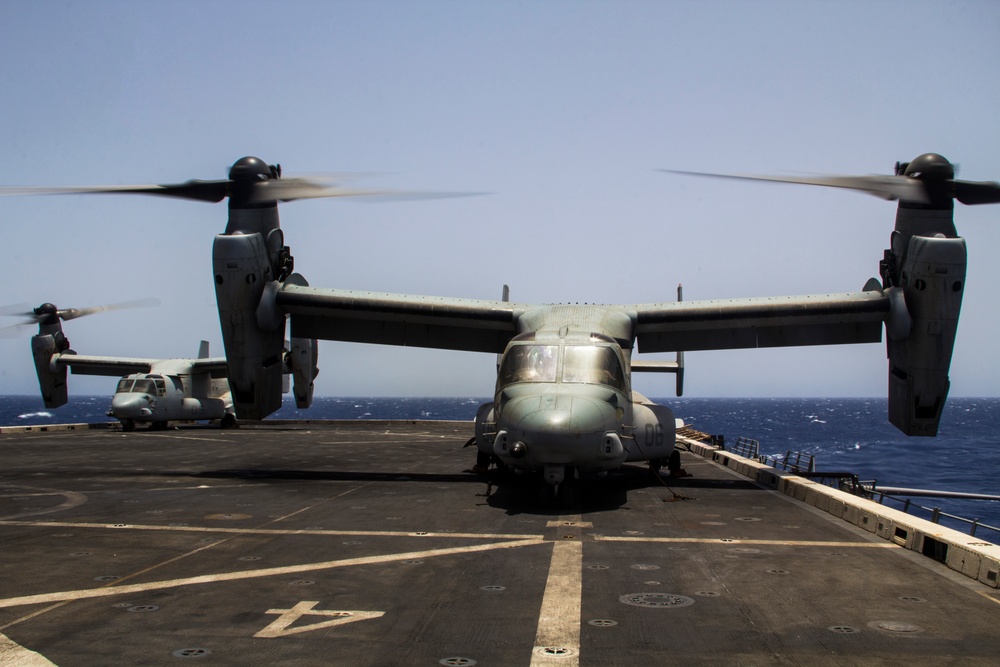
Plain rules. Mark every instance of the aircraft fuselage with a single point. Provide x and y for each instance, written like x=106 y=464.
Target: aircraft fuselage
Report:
x=564 y=405
x=155 y=398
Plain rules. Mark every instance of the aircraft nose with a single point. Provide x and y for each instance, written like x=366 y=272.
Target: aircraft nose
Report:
x=132 y=406
x=555 y=428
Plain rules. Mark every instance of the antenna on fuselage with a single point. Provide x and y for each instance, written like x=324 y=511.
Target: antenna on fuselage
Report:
x=505 y=297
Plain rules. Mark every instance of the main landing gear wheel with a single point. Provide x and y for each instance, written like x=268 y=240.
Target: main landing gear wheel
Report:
x=228 y=421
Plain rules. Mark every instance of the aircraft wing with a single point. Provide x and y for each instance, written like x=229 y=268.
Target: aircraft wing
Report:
x=216 y=366
x=85 y=364
x=399 y=319
x=486 y=326
x=825 y=319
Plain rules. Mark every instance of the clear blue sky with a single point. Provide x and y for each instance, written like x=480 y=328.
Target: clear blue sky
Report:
x=562 y=110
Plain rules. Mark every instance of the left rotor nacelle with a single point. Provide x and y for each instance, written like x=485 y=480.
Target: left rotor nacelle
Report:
x=46 y=346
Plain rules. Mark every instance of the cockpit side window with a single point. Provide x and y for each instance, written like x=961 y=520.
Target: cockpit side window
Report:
x=592 y=364
x=528 y=363
x=124 y=386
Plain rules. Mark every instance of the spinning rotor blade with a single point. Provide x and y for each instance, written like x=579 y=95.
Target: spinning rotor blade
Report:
x=292 y=189
x=47 y=311
x=210 y=191
x=250 y=181
x=927 y=180
x=972 y=192
x=885 y=187
x=73 y=313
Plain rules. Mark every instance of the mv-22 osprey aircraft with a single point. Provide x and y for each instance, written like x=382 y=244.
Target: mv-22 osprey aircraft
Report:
x=150 y=391
x=563 y=404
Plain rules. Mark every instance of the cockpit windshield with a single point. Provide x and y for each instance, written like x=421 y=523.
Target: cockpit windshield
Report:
x=529 y=363
x=143 y=386
x=582 y=364
x=149 y=385
x=590 y=364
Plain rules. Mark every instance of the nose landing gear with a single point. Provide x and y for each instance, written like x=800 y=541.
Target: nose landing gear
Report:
x=560 y=486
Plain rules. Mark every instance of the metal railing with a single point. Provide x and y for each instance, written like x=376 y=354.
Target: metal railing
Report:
x=746 y=447
x=804 y=464
x=935 y=514
x=792 y=461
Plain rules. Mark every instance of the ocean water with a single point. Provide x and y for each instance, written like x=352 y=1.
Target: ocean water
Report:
x=844 y=434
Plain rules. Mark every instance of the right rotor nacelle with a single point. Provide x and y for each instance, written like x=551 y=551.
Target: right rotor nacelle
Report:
x=932 y=278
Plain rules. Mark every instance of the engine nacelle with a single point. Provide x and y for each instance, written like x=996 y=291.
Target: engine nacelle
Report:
x=242 y=265
x=51 y=376
x=654 y=430
x=932 y=278
x=486 y=428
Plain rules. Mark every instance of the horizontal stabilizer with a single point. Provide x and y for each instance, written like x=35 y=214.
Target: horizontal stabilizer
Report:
x=655 y=366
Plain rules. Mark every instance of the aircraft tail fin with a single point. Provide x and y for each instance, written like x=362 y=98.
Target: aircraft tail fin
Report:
x=675 y=367
x=203 y=350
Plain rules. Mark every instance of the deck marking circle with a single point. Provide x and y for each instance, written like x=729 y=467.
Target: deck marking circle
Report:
x=708 y=594
x=656 y=600
x=457 y=662
x=493 y=589
x=71 y=499
x=911 y=598
x=842 y=629
x=644 y=566
x=778 y=571
x=598 y=567
x=555 y=651
x=142 y=608
x=191 y=653
x=895 y=626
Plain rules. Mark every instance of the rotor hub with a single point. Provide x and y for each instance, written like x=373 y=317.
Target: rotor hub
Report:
x=47 y=313
x=930 y=167
x=251 y=168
